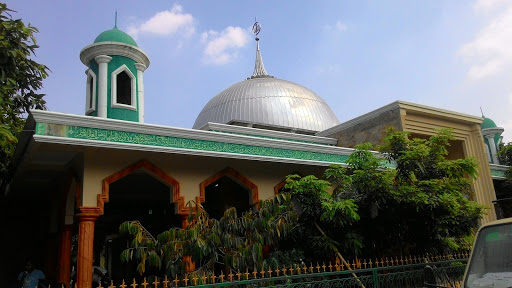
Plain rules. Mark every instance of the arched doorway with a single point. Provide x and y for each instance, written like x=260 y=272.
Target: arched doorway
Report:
x=227 y=189
x=143 y=193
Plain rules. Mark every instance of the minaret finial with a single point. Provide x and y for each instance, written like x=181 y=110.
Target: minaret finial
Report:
x=259 y=68
x=482 y=112
x=115 y=21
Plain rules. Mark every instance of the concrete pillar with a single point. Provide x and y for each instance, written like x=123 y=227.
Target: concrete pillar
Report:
x=140 y=89
x=102 y=61
x=84 y=261
x=492 y=145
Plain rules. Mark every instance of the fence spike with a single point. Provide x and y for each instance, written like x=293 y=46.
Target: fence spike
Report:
x=111 y=284
x=166 y=281
x=246 y=274
x=387 y=261
x=134 y=284
x=145 y=283
x=354 y=264
x=204 y=278
x=213 y=277
x=194 y=279
x=230 y=275
x=99 y=285
x=221 y=276
x=305 y=268
x=291 y=270
x=155 y=283
x=337 y=266
x=238 y=274
x=123 y=285
x=330 y=266
x=284 y=270
x=254 y=273
x=298 y=270
x=277 y=271
x=262 y=272
x=269 y=272
x=310 y=267
x=323 y=266
x=392 y=262
x=370 y=263
x=364 y=263
x=317 y=267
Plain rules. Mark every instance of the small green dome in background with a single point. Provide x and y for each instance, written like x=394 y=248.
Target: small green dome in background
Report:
x=488 y=123
x=115 y=35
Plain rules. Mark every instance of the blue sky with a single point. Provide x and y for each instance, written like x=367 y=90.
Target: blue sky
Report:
x=357 y=55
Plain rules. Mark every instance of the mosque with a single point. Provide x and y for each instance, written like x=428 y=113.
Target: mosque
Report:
x=77 y=177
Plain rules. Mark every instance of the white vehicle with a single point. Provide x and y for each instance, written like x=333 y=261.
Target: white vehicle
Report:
x=490 y=263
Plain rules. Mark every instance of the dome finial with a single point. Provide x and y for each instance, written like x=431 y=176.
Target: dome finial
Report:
x=115 y=20
x=259 y=68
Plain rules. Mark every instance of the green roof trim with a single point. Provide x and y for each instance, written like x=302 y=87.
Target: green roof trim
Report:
x=86 y=133
x=115 y=35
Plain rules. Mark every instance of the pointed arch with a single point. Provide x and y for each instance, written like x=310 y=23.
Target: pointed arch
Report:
x=155 y=171
x=230 y=172
x=279 y=186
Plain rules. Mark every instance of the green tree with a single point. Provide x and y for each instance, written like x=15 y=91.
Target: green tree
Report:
x=420 y=206
x=430 y=193
x=20 y=78
x=505 y=157
x=231 y=242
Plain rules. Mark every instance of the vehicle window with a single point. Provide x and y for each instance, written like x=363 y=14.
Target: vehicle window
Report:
x=491 y=260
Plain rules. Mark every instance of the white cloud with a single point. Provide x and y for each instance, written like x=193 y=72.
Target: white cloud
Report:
x=338 y=27
x=487 y=6
x=222 y=47
x=165 y=23
x=489 y=53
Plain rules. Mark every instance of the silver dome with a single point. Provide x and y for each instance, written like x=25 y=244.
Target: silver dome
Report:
x=263 y=99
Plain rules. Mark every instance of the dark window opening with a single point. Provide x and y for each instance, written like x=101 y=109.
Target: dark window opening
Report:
x=223 y=194
x=91 y=94
x=124 y=88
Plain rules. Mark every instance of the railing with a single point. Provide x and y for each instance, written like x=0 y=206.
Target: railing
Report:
x=447 y=270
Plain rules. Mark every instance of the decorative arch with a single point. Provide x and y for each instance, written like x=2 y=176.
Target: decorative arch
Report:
x=157 y=172
x=279 y=186
x=230 y=172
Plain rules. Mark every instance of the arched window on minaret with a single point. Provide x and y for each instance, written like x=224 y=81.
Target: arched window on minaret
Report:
x=123 y=88
x=90 y=105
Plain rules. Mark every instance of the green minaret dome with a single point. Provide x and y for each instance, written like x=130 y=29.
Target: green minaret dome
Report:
x=488 y=123
x=115 y=35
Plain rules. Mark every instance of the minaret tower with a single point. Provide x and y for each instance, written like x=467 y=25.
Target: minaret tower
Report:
x=115 y=85
x=492 y=139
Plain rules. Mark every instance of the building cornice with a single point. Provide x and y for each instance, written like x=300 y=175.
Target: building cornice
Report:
x=409 y=107
x=159 y=130
x=113 y=48
x=498 y=171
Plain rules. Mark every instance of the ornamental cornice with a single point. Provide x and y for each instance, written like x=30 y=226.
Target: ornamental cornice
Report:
x=113 y=48
x=181 y=151
x=143 y=128
x=491 y=132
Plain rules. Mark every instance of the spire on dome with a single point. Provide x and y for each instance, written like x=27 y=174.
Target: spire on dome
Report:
x=259 y=68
